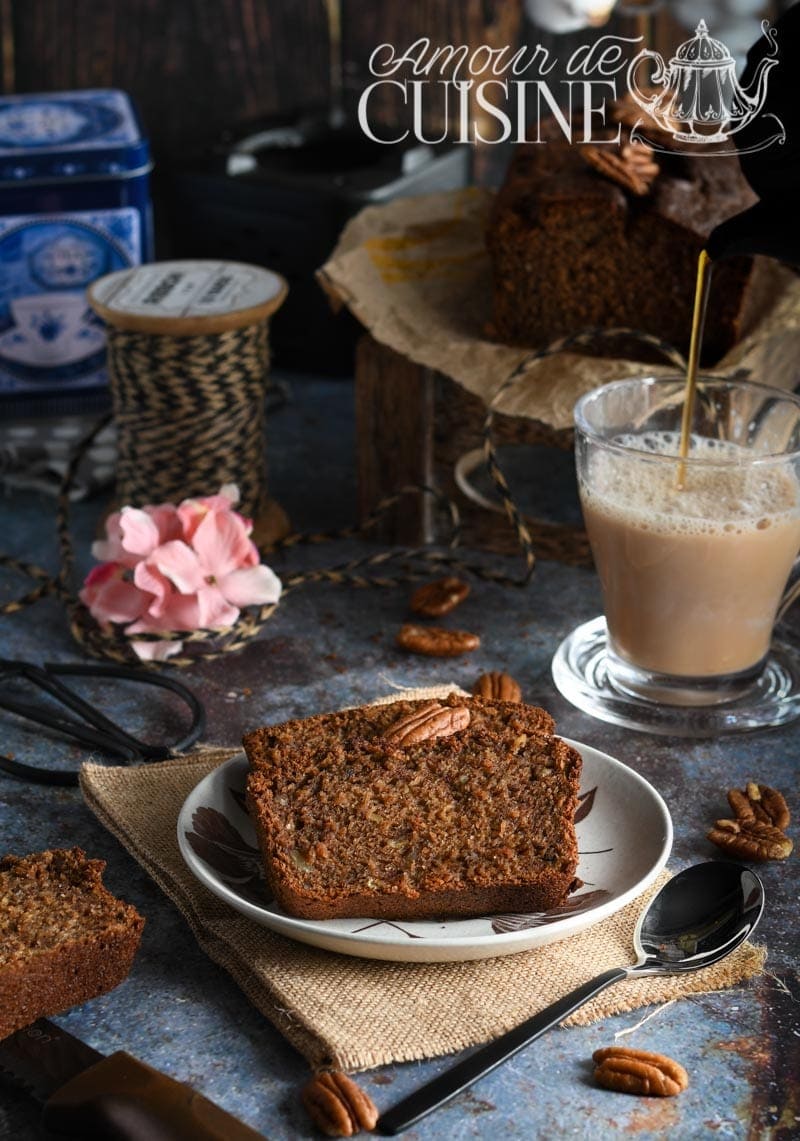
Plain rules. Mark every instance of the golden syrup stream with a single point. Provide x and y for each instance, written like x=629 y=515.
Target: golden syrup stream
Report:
x=701 y=290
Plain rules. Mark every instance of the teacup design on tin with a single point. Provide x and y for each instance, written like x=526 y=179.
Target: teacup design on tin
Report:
x=50 y=329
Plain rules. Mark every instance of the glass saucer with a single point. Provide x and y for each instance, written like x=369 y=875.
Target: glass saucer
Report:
x=580 y=672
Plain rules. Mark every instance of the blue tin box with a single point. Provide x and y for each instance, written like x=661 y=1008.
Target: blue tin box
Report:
x=74 y=205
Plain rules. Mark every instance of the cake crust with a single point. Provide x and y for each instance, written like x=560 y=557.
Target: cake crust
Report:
x=63 y=937
x=472 y=823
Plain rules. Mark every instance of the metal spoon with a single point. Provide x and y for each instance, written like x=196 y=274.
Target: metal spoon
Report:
x=698 y=918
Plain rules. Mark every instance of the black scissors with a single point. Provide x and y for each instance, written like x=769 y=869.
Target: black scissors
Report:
x=89 y=726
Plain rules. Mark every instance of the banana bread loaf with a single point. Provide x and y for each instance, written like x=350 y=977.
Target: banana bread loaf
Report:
x=573 y=248
x=63 y=937
x=416 y=810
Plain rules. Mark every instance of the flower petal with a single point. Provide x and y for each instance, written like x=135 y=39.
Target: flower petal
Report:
x=229 y=491
x=192 y=512
x=180 y=564
x=176 y=612
x=139 y=531
x=191 y=515
x=214 y=610
x=148 y=577
x=156 y=651
x=167 y=521
x=181 y=613
x=221 y=543
x=111 y=549
x=251 y=586
x=109 y=598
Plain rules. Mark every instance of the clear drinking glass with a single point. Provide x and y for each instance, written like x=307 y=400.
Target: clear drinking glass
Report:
x=693 y=556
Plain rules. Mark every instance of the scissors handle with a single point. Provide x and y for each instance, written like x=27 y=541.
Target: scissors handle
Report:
x=94 y=728
x=68 y=727
x=144 y=751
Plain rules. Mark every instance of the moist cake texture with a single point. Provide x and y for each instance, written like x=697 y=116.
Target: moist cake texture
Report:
x=352 y=821
x=63 y=937
x=572 y=249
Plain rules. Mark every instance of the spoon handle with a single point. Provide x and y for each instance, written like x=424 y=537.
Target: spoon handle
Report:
x=441 y=1089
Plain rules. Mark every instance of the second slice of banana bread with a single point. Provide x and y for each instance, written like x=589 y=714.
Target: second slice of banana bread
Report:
x=416 y=810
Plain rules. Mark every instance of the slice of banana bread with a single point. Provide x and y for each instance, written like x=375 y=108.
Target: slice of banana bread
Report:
x=416 y=810
x=572 y=249
x=63 y=937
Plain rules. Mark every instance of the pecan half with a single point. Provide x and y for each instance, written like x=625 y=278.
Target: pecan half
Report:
x=751 y=840
x=497 y=686
x=429 y=721
x=338 y=1106
x=759 y=802
x=638 y=1071
x=632 y=168
x=435 y=641
x=433 y=599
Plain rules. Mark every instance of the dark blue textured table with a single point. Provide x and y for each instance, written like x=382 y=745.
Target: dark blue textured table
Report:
x=328 y=646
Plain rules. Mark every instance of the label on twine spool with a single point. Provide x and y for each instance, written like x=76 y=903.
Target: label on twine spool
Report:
x=187 y=297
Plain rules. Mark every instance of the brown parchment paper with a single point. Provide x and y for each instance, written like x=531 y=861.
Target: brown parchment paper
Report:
x=416 y=274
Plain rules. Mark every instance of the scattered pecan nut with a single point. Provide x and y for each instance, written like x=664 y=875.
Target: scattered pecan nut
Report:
x=751 y=840
x=436 y=641
x=338 y=1106
x=759 y=802
x=429 y=721
x=633 y=174
x=638 y=1071
x=433 y=599
x=497 y=686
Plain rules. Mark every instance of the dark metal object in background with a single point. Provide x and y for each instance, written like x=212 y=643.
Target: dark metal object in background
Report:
x=114 y=1098
x=88 y=726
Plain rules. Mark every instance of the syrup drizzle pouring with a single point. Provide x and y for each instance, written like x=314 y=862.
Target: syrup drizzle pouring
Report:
x=702 y=288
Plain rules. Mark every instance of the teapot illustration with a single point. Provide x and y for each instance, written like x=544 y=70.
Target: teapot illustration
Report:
x=701 y=100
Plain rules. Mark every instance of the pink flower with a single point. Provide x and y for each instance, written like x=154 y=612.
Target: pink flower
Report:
x=110 y=598
x=133 y=533
x=185 y=568
x=193 y=511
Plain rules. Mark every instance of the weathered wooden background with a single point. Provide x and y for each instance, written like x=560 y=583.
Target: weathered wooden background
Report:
x=197 y=67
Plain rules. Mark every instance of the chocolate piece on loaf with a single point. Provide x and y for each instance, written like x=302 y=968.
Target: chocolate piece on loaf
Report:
x=474 y=822
x=572 y=249
x=63 y=937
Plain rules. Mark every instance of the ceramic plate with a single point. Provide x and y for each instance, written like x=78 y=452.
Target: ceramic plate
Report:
x=624 y=837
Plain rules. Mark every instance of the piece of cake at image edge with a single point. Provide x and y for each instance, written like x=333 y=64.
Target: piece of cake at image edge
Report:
x=64 y=938
x=416 y=810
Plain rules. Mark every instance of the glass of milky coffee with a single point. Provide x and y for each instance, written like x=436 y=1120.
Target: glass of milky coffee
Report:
x=694 y=556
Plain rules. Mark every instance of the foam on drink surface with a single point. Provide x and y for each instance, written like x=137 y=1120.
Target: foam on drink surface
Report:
x=725 y=492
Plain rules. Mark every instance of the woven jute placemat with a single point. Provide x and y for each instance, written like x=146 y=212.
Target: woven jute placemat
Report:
x=358 y=1013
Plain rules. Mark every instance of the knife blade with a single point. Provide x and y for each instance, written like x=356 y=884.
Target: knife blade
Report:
x=110 y=1098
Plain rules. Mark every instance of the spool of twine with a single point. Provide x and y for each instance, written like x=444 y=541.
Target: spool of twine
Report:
x=188 y=359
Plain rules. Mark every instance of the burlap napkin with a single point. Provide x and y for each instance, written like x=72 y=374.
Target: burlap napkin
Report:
x=358 y=1013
